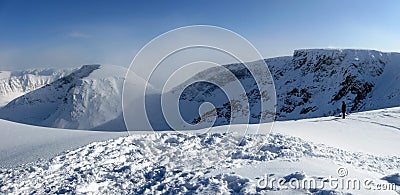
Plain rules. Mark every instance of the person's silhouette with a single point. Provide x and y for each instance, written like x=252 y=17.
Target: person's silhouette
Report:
x=343 y=109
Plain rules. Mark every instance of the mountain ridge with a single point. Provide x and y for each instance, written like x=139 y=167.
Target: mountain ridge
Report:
x=311 y=83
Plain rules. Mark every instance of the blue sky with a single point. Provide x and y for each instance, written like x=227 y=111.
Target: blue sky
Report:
x=70 y=33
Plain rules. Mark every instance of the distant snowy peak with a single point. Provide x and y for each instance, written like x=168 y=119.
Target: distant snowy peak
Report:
x=88 y=98
x=17 y=83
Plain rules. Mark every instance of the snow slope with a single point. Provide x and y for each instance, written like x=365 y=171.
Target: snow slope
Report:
x=16 y=83
x=223 y=162
x=88 y=98
x=374 y=132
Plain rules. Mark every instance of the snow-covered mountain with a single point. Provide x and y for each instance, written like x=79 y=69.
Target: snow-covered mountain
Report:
x=16 y=83
x=88 y=98
x=311 y=83
x=219 y=87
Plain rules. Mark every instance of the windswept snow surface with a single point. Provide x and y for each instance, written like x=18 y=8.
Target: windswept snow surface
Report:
x=20 y=144
x=215 y=163
x=173 y=163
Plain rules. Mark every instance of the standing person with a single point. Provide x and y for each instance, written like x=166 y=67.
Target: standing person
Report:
x=343 y=109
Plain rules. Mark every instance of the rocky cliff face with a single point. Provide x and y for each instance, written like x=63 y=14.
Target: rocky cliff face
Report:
x=317 y=81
